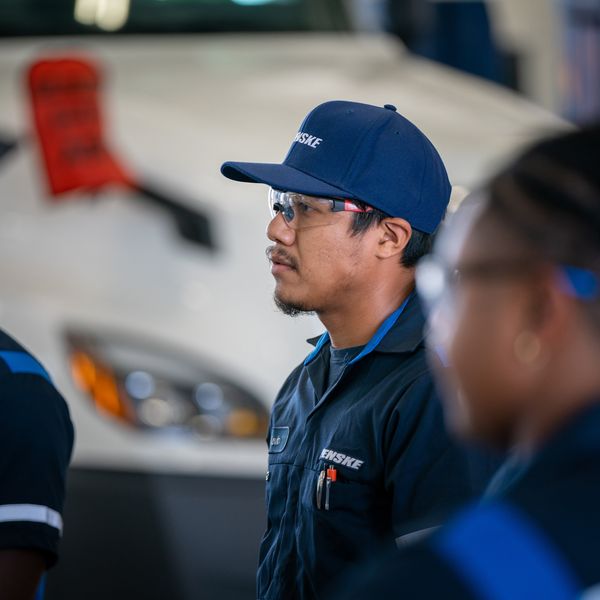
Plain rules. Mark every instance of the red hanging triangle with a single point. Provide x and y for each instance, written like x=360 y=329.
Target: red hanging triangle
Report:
x=65 y=97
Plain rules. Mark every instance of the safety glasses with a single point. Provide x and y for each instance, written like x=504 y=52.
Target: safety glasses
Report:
x=300 y=211
x=437 y=282
x=438 y=285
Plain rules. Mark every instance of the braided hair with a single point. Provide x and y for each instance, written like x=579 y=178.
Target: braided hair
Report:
x=549 y=199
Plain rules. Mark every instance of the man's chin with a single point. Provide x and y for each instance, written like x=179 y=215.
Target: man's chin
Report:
x=292 y=308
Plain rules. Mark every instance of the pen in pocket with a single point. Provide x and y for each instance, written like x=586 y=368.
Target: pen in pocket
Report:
x=331 y=478
x=320 y=482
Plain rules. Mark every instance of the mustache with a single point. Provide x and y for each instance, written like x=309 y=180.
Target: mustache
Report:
x=275 y=254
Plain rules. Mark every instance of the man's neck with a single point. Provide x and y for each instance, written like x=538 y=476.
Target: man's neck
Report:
x=356 y=323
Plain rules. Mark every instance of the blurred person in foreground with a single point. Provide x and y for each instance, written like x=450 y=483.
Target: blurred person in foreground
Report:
x=513 y=290
x=36 y=439
x=358 y=453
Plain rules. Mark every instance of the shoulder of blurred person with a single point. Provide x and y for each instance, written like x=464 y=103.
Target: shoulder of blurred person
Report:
x=36 y=439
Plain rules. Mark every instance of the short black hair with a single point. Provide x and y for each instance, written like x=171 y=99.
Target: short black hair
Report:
x=418 y=246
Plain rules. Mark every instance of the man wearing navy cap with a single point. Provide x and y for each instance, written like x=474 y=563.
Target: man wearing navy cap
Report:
x=358 y=454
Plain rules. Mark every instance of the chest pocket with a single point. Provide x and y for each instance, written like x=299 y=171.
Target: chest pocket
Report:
x=345 y=494
x=354 y=506
x=348 y=496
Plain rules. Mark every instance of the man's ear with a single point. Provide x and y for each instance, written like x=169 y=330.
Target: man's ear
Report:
x=395 y=233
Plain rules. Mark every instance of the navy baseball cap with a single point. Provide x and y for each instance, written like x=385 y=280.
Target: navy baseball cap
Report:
x=360 y=152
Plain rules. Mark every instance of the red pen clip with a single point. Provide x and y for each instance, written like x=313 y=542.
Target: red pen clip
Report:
x=331 y=477
x=332 y=473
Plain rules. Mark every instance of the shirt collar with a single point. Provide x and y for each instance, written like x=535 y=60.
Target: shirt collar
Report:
x=578 y=436
x=401 y=332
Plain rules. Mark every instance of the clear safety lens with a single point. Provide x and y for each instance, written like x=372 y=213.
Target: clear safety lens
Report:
x=436 y=286
x=432 y=282
x=300 y=211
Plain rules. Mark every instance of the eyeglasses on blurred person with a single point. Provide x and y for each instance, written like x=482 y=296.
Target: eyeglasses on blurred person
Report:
x=513 y=298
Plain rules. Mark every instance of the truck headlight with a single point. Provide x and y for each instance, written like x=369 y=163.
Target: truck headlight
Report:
x=160 y=390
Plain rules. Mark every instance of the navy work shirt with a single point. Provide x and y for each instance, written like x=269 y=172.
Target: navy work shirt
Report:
x=36 y=438
x=538 y=539
x=379 y=430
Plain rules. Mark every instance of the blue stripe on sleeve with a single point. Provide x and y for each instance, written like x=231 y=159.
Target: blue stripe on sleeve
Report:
x=501 y=555
x=21 y=362
x=41 y=591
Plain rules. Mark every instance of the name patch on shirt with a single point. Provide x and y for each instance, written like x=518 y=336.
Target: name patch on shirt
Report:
x=279 y=438
x=342 y=459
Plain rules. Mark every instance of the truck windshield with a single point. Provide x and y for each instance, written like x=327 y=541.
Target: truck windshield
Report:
x=77 y=17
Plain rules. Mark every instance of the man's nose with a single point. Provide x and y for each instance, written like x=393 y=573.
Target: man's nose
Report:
x=279 y=231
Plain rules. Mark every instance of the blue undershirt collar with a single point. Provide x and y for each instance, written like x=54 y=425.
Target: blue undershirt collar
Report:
x=373 y=342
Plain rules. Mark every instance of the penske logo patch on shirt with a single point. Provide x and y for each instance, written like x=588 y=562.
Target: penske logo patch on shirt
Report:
x=341 y=459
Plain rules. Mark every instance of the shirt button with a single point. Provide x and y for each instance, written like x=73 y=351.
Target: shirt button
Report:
x=268 y=476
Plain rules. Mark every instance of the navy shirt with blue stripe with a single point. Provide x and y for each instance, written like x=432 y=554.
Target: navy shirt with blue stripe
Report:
x=36 y=439
x=538 y=537
x=381 y=426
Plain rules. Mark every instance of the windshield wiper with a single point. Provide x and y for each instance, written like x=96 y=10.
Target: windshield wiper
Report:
x=192 y=224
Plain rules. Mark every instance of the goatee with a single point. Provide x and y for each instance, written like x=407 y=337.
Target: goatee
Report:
x=290 y=309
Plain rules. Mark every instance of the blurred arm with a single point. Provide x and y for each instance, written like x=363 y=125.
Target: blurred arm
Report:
x=20 y=573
